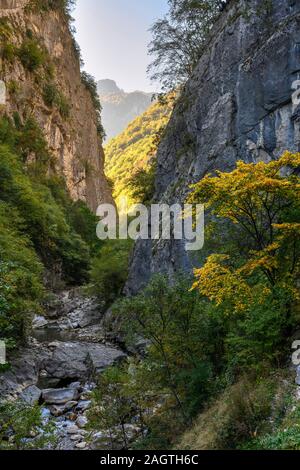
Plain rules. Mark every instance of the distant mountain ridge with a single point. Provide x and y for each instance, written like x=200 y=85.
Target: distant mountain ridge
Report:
x=120 y=108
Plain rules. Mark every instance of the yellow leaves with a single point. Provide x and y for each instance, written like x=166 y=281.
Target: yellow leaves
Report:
x=248 y=182
x=291 y=228
x=256 y=197
x=220 y=283
x=263 y=259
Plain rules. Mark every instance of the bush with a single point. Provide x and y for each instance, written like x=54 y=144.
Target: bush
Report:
x=21 y=422
x=21 y=272
x=53 y=97
x=8 y=52
x=32 y=55
x=47 y=5
x=91 y=85
x=109 y=269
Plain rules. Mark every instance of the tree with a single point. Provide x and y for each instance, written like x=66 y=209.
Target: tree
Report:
x=182 y=339
x=261 y=203
x=179 y=39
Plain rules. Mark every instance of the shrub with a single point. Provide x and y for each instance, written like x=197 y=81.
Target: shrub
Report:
x=109 y=269
x=22 y=422
x=32 y=55
x=8 y=52
x=53 y=97
x=91 y=85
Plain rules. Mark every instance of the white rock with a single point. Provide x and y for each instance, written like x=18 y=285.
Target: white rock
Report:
x=81 y=445
x=39 y=322
x=76 y=437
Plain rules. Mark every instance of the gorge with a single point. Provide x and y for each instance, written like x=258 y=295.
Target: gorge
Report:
x=150 y=346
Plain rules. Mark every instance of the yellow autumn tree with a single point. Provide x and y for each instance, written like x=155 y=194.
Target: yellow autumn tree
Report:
x=261 y=206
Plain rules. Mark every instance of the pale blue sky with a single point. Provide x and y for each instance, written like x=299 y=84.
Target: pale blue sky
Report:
x=113 y=36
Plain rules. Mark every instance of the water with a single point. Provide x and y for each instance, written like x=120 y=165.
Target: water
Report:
x=48 y=334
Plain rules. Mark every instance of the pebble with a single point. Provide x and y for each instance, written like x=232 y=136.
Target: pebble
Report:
x=81 y=445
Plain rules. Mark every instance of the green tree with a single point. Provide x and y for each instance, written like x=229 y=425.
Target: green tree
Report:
x=179 y=39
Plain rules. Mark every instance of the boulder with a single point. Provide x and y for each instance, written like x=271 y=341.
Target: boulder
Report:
x=76 y=359
x=59 y=396
x=39 y=322
x=31 y=395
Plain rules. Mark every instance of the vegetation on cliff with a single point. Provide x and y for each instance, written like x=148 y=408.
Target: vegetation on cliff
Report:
x=179 y=40
x=131 y=155
x=41 y=227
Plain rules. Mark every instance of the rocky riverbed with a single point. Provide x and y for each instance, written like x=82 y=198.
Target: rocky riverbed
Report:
x=66 y=353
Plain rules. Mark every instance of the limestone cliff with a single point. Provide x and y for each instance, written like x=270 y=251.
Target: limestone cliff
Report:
x=71 y=132
x=237 y=105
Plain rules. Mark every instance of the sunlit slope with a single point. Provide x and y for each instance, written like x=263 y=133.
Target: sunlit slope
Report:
x=132 y=150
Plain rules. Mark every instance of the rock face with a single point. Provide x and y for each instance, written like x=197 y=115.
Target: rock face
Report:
x=73 y=360
x=120 y=108
x=74 y=140
x=237 y=106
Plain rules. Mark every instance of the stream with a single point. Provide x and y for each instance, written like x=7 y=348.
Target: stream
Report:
x=58 y=369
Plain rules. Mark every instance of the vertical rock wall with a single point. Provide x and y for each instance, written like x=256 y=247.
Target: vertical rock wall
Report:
x=237 y=106
x=74 y=141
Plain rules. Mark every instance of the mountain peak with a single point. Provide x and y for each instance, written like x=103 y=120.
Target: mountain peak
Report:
x=107 y=87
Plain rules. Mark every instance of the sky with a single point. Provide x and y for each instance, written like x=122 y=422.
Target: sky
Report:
x=113 y=37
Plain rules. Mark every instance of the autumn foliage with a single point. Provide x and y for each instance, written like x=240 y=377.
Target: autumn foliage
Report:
x=260 y=206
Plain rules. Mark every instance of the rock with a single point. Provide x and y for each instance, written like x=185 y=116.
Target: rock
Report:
x=70 y=405
x=24 y=371
x=59 y=396
x=39 y=322
x=31 y=395
x=56 y=410
x=84 y=405
x=73 y=429
x=81 y=421
x=101 y=441
x=298 y=375
x=53 y=345
x=76 y=385
x=81 y=445
x=72 y=416
x=76 y=437
x=235 y=106
x=76 y=359
x=43 y=374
